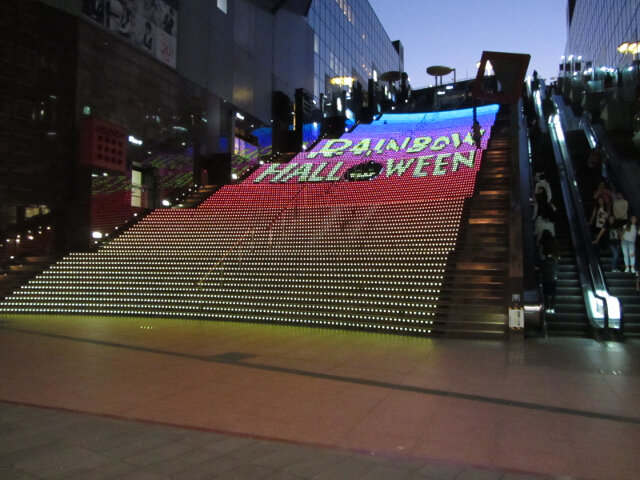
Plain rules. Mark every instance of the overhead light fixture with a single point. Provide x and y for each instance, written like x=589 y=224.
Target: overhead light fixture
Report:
x=629 y=48
x=342 y=81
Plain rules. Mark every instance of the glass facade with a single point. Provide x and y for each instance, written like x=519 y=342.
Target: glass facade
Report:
x=597 y=28
x=349 y=40
x=108 y=60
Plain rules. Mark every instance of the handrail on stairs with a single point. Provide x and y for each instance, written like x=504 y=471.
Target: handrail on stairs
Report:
x=228 y=252
x=249 y=232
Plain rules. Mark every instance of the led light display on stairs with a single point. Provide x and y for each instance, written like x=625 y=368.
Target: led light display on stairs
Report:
x=436 y=151
x=300 y=243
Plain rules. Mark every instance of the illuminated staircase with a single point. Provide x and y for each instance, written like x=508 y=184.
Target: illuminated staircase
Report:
x=14 y=275
x=199 y=196
x=281 y=247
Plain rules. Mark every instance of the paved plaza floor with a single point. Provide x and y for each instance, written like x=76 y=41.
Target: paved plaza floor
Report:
x=133 y=398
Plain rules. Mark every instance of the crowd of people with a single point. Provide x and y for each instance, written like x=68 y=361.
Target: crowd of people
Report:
x=614 y=231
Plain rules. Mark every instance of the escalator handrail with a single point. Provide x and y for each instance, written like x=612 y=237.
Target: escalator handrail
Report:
x=585 y=284
x=594 y=262
x=592 y=278
x=528 y=244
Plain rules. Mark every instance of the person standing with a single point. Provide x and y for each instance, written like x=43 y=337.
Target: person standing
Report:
x=543 y=223
x=598 y=216
x=542 y=183
x=602 y=192
x=620 y=209
x=541 y=204
x=594 y=168
x=628 y=244
x=477 y=134
x=609 y=236
x=549 y=269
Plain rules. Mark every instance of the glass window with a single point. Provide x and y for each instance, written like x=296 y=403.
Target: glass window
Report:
x=136 y=188
x=222 y=5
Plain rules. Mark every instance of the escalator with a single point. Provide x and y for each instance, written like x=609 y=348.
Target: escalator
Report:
x=584 y=306
x=570 y=315
x=623 y=172
x=603 y=309
x=620 y=284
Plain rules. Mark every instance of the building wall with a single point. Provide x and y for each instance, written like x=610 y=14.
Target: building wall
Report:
x=293 y=65
x=129 y=88
x=597 y=27
x=240 y=55
x=58 y=65
x=349 y=41
x=37 y=93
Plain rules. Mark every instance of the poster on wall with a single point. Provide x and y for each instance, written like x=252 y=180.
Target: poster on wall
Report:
x=152 y=25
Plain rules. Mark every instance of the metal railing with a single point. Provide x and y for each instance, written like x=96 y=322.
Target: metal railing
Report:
x=248 y=238
x=219 y=265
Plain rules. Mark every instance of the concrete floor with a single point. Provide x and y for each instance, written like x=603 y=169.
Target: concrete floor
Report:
x=96 y=397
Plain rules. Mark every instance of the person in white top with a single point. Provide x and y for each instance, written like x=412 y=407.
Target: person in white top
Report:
x=620 y=209
x=628 y=244
x=543 y=223
x=598 y=216
x=541 y=182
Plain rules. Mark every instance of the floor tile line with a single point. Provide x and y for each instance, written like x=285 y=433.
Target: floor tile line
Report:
x=221 y=359
x=448 y=393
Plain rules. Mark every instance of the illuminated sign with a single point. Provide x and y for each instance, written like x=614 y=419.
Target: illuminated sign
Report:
x=408 y=145
x=422 y=166
x=363 y=171
x=415 y=156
